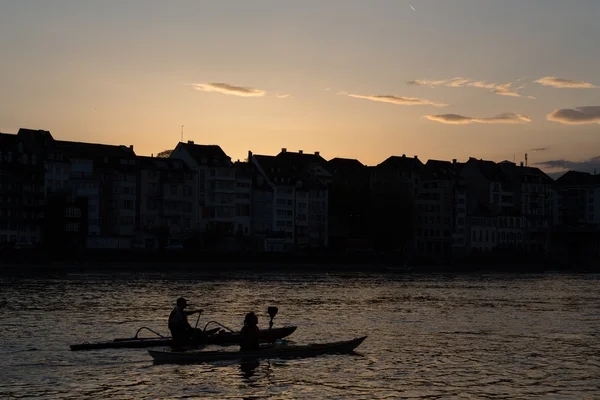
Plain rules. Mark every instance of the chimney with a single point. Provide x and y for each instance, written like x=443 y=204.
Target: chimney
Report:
x=454 y=161
x=300 y=152
x=317 y=153
x=249 y=156
x=403 y=155
x=152 y=155
x=190 y=142
x=525 y=159
x=283 y=150
x=416 y=157
x=521 y=163
x=131 y=147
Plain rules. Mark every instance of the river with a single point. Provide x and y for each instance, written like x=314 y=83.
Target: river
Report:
x=429 y=336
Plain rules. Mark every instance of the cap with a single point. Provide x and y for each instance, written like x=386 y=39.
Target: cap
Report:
x=181 y=300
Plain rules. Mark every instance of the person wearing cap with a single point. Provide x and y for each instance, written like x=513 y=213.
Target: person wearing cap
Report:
x=180 y=328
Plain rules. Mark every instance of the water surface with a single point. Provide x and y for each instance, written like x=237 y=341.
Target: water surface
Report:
x=430 y=336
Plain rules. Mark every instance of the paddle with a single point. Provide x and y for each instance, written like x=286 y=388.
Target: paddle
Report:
x=272 y=313
x=198 y=320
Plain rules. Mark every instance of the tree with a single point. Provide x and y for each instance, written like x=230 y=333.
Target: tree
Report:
x=164 y=154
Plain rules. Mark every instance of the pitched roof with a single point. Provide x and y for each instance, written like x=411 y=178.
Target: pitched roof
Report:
x=525 y=174
x=303 y=159
x=286 y=170
x=345 y=164
x=439 y=169
x=37 y=141
x=205 y=154
x=93 y=151
x=403 y=163
x=492 y=171
x=577 y=178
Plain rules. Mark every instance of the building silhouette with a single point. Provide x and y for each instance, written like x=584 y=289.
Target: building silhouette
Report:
x=72 y=196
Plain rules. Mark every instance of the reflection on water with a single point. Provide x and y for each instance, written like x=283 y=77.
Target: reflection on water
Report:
x=485 y=336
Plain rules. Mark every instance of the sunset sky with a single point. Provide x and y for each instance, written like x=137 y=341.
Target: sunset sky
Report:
x=364 y=79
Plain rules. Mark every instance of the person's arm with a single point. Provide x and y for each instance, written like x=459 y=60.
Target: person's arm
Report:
x=193 y=312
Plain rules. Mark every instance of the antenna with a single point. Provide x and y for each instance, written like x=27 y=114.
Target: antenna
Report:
x=182 y=133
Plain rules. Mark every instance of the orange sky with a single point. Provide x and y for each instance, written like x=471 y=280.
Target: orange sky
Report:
x=348 y=78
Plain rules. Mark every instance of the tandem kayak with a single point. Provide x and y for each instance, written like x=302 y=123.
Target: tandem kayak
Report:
x=273 y=351
x=214 y=336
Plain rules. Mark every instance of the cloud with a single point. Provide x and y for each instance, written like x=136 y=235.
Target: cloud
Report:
x=576 y=116
x=539 y=149
x=553 y=81
x=486 y=85
x=588 y=165
x=283 y=96
x=504 y=89
x=406 y=101
x=506 y=92
x=226 y=88
x=505 y=118
x=457 y=82
x=426 y=82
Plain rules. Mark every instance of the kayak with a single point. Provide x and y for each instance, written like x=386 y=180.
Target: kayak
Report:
x=214 y=336
x=271 y=351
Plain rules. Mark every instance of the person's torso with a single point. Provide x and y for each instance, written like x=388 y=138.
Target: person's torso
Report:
x=177 y=317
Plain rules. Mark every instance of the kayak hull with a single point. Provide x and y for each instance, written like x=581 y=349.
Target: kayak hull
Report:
x=274 y=351
x=221 y=338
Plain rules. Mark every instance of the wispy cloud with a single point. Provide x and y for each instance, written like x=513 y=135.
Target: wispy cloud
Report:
x=539 y=149
x=405 y=101
x=561 y=83
x=505 y=118
x=588 y=165
x=226 y=88
x=504 y=89
x=283 y=96
x=457 y=82
x=427 y=82
x=506 y=92
x=576 y=116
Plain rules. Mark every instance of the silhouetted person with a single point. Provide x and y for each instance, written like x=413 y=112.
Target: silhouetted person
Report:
x=180 y=328
x=250 y=333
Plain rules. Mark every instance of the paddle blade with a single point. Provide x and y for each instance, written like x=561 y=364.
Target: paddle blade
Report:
x=272 y=311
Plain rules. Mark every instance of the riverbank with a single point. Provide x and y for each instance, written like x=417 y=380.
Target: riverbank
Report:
x=217 y=268
x=166 y=261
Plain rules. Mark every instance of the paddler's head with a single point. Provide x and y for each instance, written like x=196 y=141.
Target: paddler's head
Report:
x=181 y=303
x=251 y=319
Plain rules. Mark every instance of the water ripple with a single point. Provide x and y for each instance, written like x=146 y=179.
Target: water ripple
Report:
x=430 y=336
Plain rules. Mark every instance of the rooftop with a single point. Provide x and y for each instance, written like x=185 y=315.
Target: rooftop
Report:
x=206 y=154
